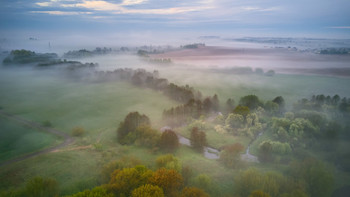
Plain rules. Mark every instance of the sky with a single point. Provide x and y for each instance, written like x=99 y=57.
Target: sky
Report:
x=167 y=18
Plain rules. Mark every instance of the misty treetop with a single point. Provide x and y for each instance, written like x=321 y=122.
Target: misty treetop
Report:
x=27 y=57
x=86 y=53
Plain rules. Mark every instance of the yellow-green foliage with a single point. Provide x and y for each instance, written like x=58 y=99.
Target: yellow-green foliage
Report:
x=193 y=192
x=95 y=192
x=170 y=180
x=168 y=161
x=125 y=180
x=148 y=191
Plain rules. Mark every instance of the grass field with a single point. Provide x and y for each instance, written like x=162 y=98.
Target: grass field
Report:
x=17 y=139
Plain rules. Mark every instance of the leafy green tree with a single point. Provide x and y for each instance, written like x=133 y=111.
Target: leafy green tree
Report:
x=147 y=137
x=168 y=161
x=147 y=191
x=124 y=181
x=110 y=167
x=251 y=101
x=41 y=187
x=234 y=121
x=281 y=103
x=193 y=192
x=169 y=141
x=241 y=110
x=265 y=151
x=127 y=128
x=198 y=139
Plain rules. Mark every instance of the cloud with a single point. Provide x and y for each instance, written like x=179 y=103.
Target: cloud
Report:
x=60 y=12
x=340 y=27
x=133 y=2
x=122 y=8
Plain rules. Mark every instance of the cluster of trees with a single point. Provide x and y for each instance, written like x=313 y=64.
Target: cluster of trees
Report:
x=335 y=51
x=86 y=53
x=35 y=187
x=27 y=57
x=169 y=179
x=136 y=129
x=309 y=177
x=193 y=46
x=160 y=61
x=194 y=108
x=246 y=71
x=322 y=102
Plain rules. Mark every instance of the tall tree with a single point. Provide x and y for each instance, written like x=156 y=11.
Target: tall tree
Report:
x=169 y=141
x=198 y=139
x=132 y=121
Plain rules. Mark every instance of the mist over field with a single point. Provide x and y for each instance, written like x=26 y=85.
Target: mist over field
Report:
x=166 y=99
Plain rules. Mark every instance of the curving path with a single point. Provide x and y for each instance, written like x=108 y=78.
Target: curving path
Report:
x=67 y=139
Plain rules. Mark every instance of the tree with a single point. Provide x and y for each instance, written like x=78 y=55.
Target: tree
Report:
x=41 y=187
x=234 y=121
x=251 y=101
x=230 y=105
x=193 y=192
x=169 y=180
x=168 y=161
x=129 y=125
x=169 y=141
x=215 y=102
x=198 y=139
x=241 y=110
x=231 y=155
x=207 y=105
x=148 y=191
x=265 y=151
x=147 y=137
x=124 y=181
x=281 y=103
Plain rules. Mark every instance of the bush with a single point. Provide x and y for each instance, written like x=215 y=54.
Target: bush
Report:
x=78 y=131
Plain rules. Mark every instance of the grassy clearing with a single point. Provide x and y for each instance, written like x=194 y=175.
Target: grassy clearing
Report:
x=16 y=140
